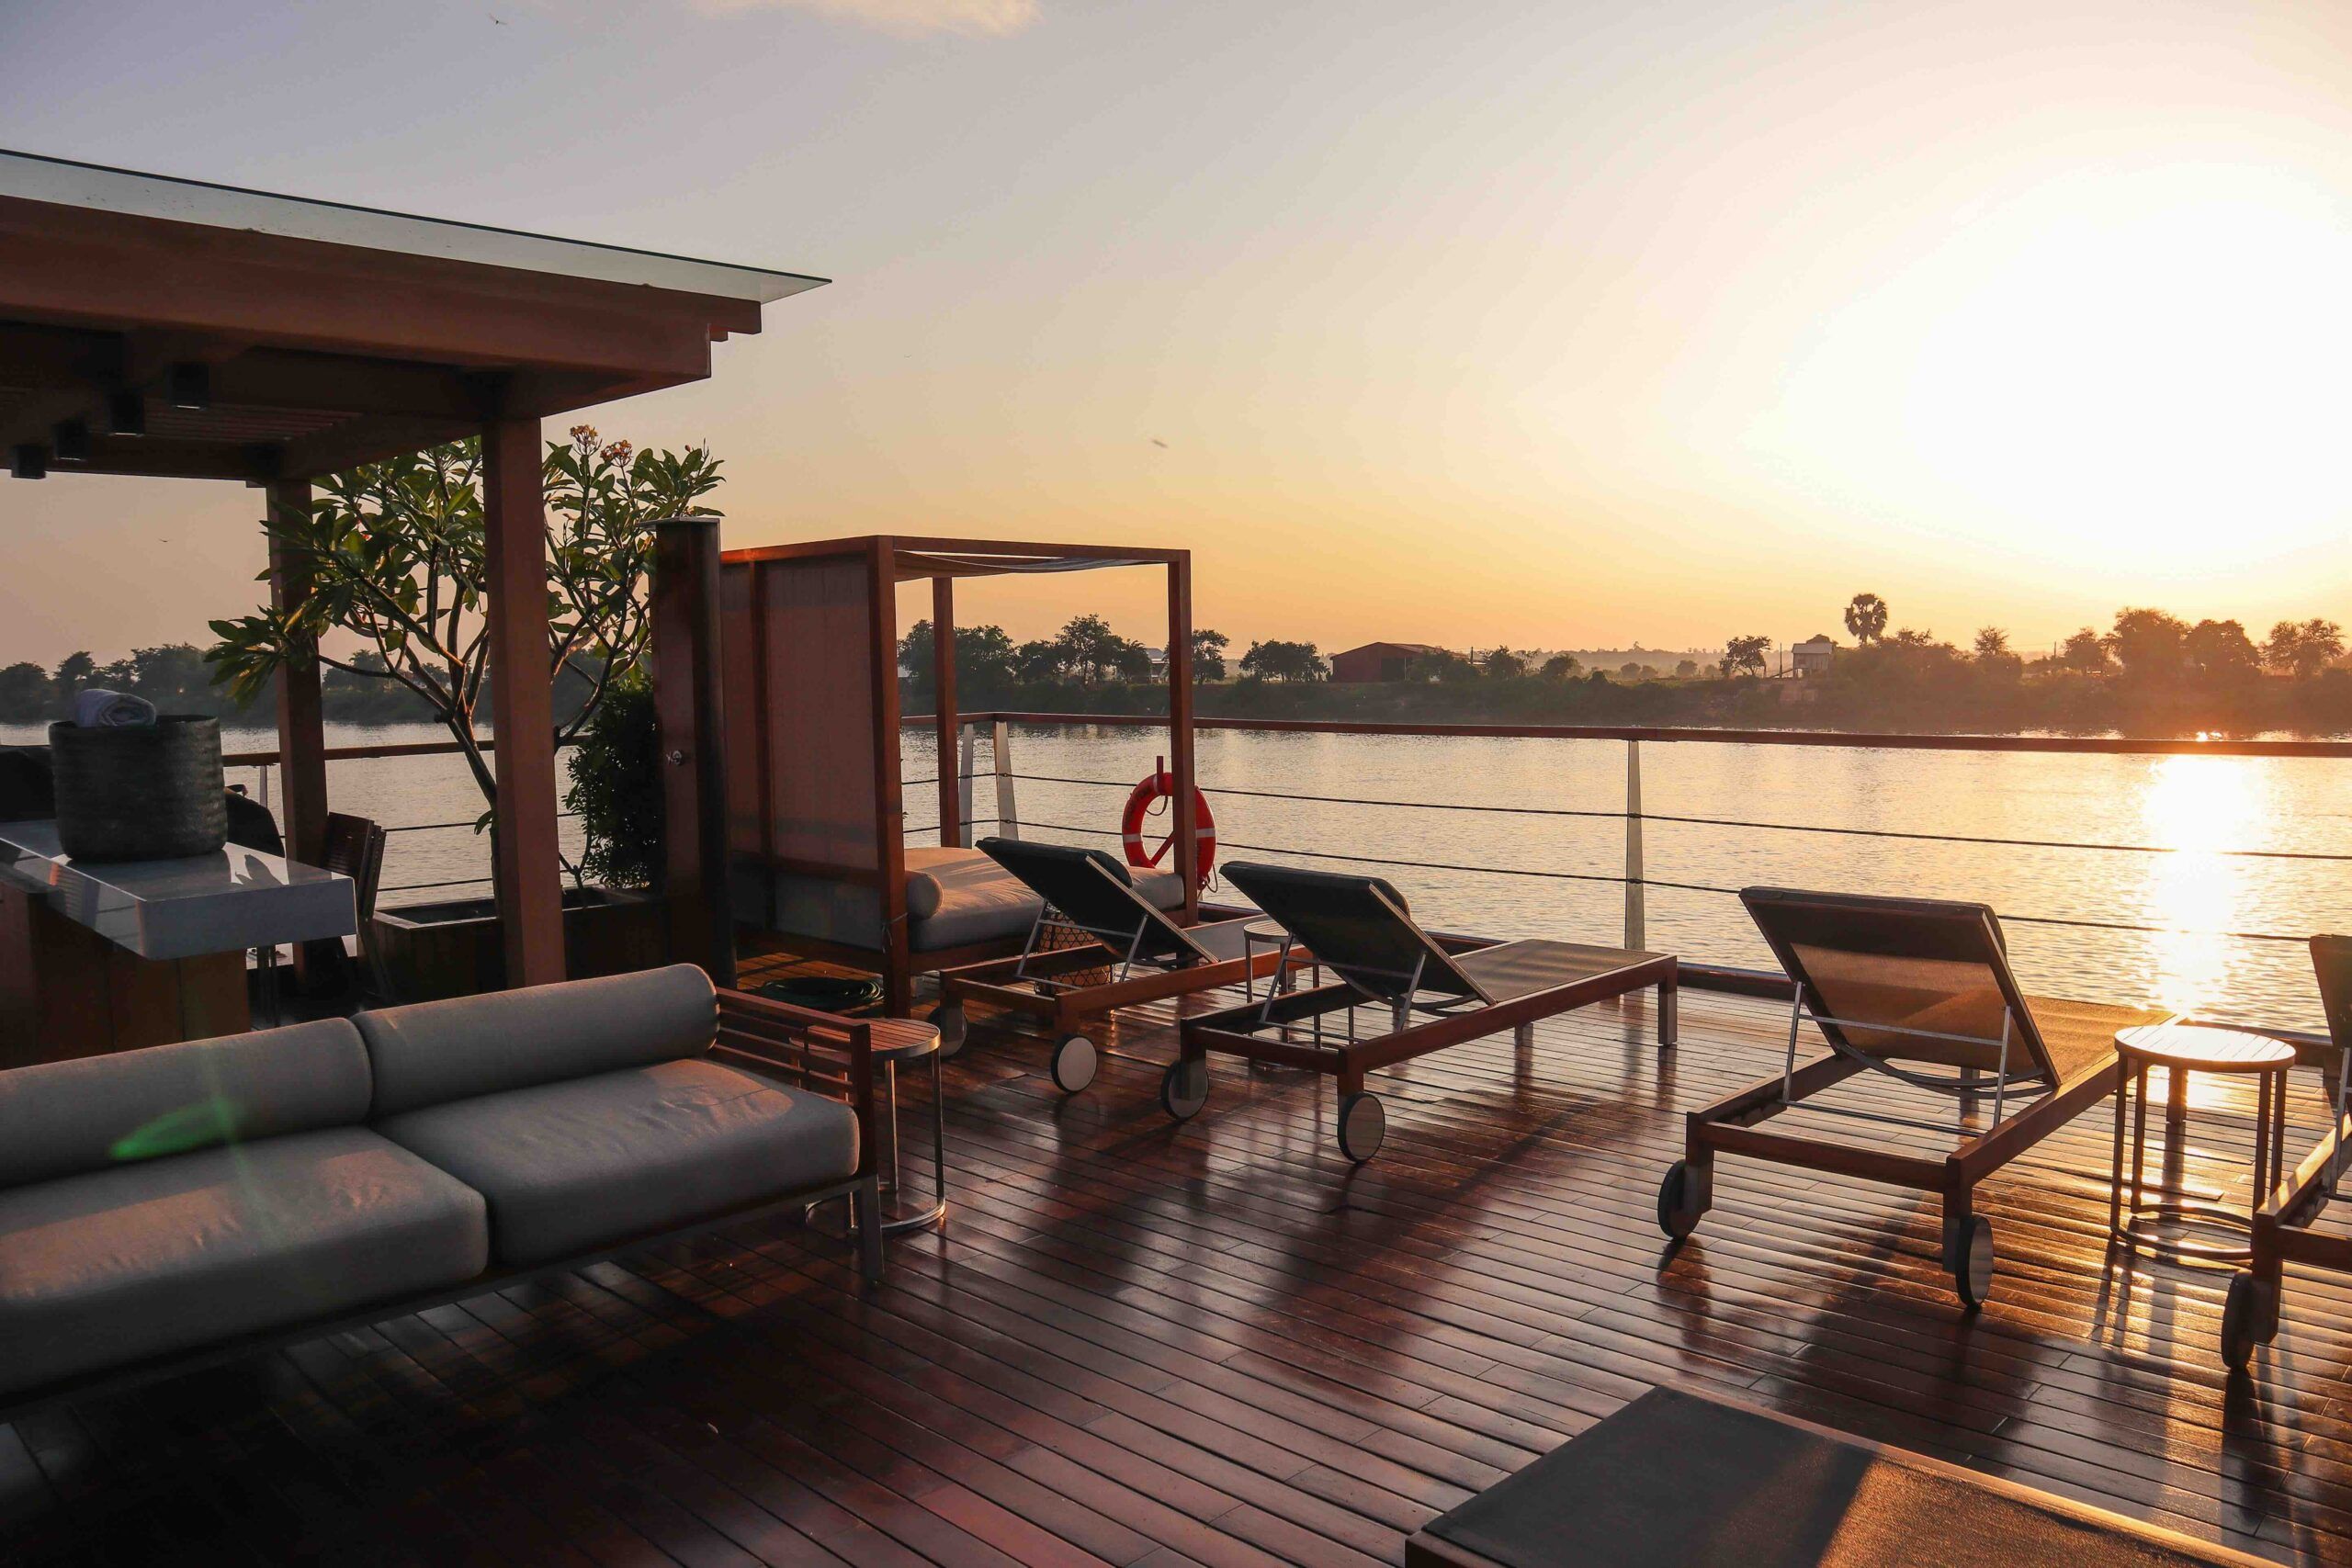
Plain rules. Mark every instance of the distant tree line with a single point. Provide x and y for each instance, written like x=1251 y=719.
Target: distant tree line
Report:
x=2150 y=672
x=176 y=678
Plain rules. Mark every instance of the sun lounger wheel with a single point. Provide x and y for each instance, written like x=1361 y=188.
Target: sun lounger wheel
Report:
x=952 y=1026
x=1678 y=1216
x=1363 y=1125
x=1972 y=1275
x=1073 y=1063
x=1184 y=1089
x=2246 y=1313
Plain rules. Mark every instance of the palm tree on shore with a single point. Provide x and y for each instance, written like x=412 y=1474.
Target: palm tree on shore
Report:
x=1866 y=618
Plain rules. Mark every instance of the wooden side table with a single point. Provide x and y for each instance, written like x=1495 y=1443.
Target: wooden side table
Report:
x=2182 y=1049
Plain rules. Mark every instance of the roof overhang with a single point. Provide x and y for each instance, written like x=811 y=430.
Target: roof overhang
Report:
x=918 y=558
x=162 y=326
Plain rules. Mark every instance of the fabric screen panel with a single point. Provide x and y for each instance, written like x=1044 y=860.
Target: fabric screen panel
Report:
x=819 y=737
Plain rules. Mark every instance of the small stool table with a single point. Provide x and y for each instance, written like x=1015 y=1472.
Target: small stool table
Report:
x=900 y=1040
x=2181 y=1049
x=1269 y=934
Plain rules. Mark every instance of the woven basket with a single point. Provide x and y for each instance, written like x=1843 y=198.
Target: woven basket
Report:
x=139 y=794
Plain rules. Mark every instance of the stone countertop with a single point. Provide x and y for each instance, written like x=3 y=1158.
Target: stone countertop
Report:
x=228 y=901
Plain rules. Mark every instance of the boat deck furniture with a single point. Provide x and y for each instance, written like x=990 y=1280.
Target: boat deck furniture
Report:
x=2286 y=1224
x=1102 y=939
x=1682 y=1480
x=107 y=956
x=183 y=1204
x=897 y=1040
x=2160 y=1226
x=1431 y=995
x=805 y=770
x=1919 y=990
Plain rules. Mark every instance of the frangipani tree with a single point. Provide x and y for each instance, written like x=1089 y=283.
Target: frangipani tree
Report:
x=393 y=555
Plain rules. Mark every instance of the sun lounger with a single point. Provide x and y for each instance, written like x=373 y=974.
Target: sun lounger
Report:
x=1096 y=945
x=2285 y=1226
x=1919 y=990
x=1684 y=1480
x=1431 y=995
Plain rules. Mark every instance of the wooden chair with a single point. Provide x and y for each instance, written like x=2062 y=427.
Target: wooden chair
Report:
x=354 y=848
x=2285 y=1227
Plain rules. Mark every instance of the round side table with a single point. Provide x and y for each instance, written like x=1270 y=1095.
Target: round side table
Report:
x=2182 y=1049
x=897 y=1040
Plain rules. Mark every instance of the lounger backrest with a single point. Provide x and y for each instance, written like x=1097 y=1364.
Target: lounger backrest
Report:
x=1096 y=894
x=1905 y=963
x=1357 y=926
x=2331 y=959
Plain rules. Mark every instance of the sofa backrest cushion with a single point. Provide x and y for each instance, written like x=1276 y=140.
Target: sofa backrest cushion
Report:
x=432 y=1053
x=68 y=1118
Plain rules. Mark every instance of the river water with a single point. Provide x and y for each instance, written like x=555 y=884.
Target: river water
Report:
x=2194 y=808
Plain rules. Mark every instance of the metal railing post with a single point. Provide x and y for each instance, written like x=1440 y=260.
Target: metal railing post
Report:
x=1637 y=907
x=1008 y=815
x=967 y=740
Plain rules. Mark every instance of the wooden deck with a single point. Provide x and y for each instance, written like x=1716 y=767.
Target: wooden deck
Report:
x=1136 y=1344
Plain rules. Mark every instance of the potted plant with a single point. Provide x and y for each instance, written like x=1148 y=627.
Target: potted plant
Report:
x=394 y=557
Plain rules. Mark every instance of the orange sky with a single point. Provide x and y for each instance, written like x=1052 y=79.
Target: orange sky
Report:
x=1557 y=324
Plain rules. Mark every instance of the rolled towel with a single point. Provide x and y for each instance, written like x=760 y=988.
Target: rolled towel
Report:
x=100 y=709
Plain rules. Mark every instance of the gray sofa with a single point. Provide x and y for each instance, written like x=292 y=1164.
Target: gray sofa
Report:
x=182 y=1204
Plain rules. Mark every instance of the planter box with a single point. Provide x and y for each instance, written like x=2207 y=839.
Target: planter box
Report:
x=454 y=948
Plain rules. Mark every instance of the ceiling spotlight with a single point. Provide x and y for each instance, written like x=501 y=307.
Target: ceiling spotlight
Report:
x=126 y=414
x=70 y=441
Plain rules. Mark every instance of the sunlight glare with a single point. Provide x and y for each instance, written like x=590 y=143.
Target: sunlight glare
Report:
x=2197 y=806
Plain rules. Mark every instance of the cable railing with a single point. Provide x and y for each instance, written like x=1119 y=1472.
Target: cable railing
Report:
x=1636 y=880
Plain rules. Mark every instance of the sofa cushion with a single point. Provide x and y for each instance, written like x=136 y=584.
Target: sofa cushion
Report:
x=430 y=1053
x=572 y=1168
x=166 y=1255
x=62 y=1118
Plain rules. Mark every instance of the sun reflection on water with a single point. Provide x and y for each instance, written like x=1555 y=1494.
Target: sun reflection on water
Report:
x=2197 y=806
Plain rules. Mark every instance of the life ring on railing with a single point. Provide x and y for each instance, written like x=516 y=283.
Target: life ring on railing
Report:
x=1150 y=794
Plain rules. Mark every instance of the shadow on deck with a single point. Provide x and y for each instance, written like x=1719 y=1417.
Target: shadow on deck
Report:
x=1139 y=1344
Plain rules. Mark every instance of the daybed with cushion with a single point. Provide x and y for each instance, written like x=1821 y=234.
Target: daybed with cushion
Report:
x=181 y=1204
x=961 y=909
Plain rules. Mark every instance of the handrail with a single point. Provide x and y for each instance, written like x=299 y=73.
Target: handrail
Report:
x=2100 y=745
x=351 y=753
x=1706 y=821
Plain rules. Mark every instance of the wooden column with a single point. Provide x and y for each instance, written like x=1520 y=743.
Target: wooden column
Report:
x=690 y=701
x=530 y=874
x=943 y=709
x=1180 y=730
x=301 y=726
x=889 y=799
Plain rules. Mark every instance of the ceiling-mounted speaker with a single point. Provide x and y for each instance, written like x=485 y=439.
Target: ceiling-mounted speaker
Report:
x=126 y=414
x=70 y=441
x=189 y=386
x=29 y=461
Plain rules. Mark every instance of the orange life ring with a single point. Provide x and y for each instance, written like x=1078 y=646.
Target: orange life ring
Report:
x=1148 y=793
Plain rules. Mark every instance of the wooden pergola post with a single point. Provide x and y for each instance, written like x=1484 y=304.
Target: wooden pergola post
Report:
x=690 y=702
x=1180 y=730
x=529 y=872
x=943 y=709
x=889 y=798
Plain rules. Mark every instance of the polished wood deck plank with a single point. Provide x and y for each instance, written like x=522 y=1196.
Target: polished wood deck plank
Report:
x=1149 y=1346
